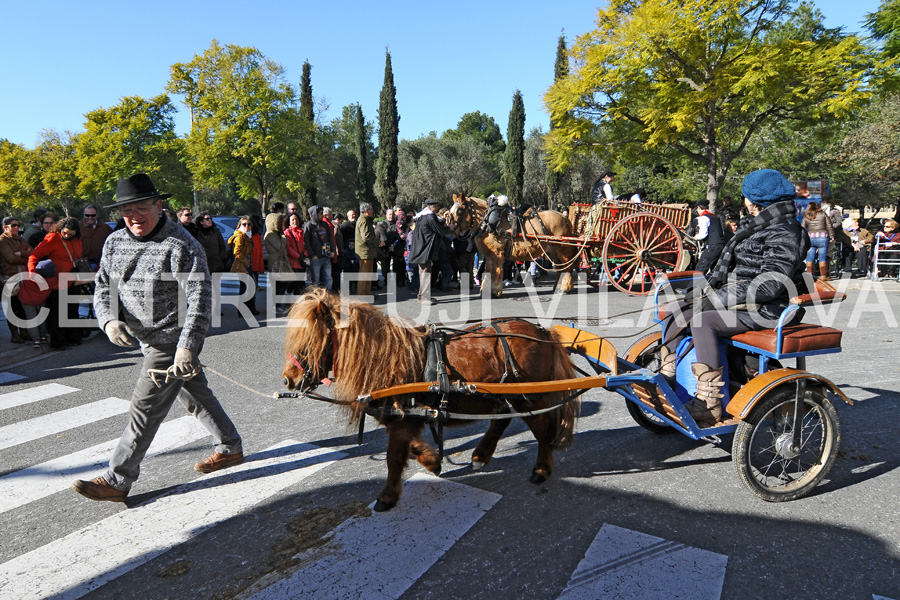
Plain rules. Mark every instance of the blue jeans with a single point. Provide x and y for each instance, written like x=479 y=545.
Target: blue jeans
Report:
x=320 y=272
x=820 y=244
x=151 y=404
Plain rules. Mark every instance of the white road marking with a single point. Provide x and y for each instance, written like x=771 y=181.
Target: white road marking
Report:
x=625 y=564
x=32 y=429
x=877 y=597
x=84 y=560
x=39 y=481
x=7 y=377
x=432 y=515
x=35 y=394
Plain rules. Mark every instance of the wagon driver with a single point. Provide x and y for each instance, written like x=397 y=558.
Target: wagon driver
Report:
x=150 y=261
x=756 y=269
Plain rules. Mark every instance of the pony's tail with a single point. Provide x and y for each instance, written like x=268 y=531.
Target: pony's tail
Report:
x=568 y=413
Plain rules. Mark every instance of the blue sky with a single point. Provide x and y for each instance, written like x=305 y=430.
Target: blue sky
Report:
x=63 y=59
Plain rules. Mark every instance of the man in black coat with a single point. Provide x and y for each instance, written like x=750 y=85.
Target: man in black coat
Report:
x=426 y=243
x=710 y=235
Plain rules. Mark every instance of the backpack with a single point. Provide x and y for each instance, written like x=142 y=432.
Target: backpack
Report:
x=229 y=256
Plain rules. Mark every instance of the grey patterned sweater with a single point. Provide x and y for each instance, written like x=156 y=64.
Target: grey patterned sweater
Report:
x=147 y=274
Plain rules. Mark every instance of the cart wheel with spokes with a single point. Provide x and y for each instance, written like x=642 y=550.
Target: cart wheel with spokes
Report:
x=648 y=358
x=639 y=247
x=763 y=454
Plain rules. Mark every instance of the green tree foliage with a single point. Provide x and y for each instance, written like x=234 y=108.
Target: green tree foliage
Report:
x=387 y=166
x=307 y=113
x=575 y=184
x=701 y=78
x=553 y=178
x=433 y=167
x=482 y=129
x=364 y=152
x=135 y=136
x=246 y=125
x=885 y=26
x=55 y=164
x=514 y=163
x=15 y=192
x=869 y=153
x=338 y=160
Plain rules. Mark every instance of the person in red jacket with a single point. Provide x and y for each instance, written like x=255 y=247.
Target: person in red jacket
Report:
x=62 y=246
x=293 y=233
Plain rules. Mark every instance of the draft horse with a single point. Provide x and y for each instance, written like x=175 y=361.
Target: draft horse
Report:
x=465 y=218
x=365 y=350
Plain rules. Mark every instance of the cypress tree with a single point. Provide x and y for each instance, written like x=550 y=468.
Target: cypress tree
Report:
x=307 y=114
x=362 y=158
x=514 y=172
x=387 y=166
x=560 y=71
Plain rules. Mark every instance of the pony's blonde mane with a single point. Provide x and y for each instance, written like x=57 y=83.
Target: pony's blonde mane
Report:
x=374 y=351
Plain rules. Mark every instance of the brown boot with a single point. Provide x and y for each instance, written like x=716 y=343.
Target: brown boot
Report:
x=99 y=489
x=667 y=363
x=218 y=461
x=823 y=272
x=705 y=407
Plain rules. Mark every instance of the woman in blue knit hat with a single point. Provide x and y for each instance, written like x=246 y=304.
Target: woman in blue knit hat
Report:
x=748 y=287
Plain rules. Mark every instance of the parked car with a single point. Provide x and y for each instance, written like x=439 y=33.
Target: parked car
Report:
x=227 y=224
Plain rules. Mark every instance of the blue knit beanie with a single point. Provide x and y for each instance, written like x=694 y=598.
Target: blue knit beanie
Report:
x=767 y=186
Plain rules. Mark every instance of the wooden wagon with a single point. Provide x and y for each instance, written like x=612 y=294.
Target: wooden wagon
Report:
x=634 y=242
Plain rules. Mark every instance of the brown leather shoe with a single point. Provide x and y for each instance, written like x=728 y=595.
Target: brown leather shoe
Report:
x=99 y=489
x=219 y=461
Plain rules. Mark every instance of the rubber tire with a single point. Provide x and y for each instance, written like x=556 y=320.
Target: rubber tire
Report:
x=753 y=426
x=647 y=360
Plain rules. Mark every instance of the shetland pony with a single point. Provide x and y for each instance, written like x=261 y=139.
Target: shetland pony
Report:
x=466 y=215
x=366 y=351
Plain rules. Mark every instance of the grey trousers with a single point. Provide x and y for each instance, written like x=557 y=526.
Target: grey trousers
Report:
x=706 y=327
x=151 y=404
x=425 y=281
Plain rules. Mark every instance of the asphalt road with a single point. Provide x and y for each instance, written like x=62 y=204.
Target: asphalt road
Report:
x=627 y=513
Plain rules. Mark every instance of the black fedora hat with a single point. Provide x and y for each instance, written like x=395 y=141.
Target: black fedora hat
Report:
x=134 y=189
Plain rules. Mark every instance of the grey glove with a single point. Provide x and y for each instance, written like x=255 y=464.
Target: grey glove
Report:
x=186 y=364
x=119 y=334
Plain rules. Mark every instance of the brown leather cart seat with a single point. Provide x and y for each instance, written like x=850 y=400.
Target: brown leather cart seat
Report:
x=804 y=337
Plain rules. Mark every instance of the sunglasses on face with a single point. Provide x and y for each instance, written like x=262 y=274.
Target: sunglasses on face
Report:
x=13 y=225
x=49 y=222
x=87 y=216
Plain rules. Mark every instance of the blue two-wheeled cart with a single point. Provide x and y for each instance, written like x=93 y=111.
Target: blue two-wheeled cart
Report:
x=786 y=430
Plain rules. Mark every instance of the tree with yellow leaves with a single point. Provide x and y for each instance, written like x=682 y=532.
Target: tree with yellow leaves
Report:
x=700 y=78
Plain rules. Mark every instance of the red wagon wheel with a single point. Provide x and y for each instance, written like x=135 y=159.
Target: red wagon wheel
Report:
x=637 y=248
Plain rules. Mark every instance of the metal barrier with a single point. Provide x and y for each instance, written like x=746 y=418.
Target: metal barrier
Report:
x=885 y=260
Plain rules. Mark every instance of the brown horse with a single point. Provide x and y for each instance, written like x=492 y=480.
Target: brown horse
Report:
x=466 y=215
x=367 y=351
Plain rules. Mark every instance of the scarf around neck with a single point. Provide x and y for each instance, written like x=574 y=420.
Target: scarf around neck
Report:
x=774 y=213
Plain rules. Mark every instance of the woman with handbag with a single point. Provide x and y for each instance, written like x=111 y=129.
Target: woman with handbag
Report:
x=62 y=246
x=242 y=246
x=296 y=250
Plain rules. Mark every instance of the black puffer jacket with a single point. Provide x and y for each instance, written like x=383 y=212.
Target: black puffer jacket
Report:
x=778 y=249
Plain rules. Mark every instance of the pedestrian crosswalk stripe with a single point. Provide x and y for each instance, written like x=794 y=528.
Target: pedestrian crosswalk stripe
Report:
x=7 y=377
x=433 y=514
x=39 y=481
x=33 y=429
x=35 y=394
x=84 y=560
x=626 y=564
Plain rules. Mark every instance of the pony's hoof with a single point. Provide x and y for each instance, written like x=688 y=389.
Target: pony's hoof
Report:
x=477 y=465
x=436 y=469
x=383 y=506
x=535 y=479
